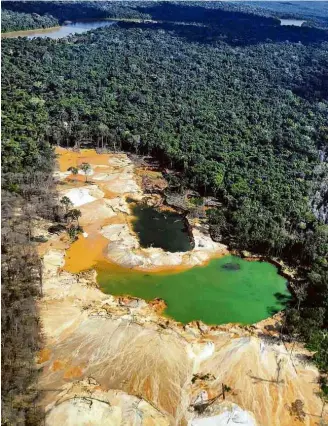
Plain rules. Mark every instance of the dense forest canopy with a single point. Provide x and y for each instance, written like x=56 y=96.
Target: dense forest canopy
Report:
x=71 y=10
x=41 y=11
x=315 y=12
x=15 y=21
x=236 y=104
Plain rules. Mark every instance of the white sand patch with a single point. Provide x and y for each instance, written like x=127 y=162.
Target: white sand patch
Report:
x=84 y=412
x=122 y=161
x=204 y=242
x=124 y=257
x=53 y=260
x=103 y=177
x=83 y=404
x=118 y=205
x=123 y=186
x=158 y=257
x=200 y=352
x=201 y=397
x=120 y=233
x=80 y=196
x=233 y=415
x=195 y=257
x=95 y=212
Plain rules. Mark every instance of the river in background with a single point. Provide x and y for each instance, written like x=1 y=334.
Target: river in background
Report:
x=60 y=32
x=80 y=27
x=293 y=22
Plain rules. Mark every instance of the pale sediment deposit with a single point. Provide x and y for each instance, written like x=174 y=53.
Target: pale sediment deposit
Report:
x=116 y=361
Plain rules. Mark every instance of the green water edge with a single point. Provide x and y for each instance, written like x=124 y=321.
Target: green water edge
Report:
x=215 y=294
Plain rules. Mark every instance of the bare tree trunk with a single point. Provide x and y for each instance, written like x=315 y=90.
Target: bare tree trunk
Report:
x=41 y=276
x=323 y=408
x=291 y=352
x=278 y=369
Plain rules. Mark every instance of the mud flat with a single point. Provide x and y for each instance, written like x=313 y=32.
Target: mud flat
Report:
x=116 y=360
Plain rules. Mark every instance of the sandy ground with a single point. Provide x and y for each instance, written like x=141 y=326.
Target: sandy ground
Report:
x=116 y=361
x=106 y=217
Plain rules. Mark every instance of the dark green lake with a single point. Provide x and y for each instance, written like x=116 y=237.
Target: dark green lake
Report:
x=164 y=229
x=244 y=292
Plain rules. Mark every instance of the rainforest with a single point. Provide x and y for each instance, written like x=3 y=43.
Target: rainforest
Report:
x=219 y=101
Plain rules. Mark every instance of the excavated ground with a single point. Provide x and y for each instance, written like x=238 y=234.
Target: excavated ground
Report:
x=113 y=361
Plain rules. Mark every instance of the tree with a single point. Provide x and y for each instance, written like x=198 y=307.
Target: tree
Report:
x=318 y=342
x=323 y=394
x=73 y=215
x=66 y=202
x=297 y=410
x=73 y=231
x=104 y=132
x=301 y=293
x=73 y=170
x=86 y=168
x=225 y=388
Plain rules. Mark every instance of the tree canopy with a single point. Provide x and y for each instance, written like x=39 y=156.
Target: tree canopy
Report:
x=233 y=102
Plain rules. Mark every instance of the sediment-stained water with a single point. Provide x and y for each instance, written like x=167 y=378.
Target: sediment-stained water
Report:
x=213 y=293
x=60 y=31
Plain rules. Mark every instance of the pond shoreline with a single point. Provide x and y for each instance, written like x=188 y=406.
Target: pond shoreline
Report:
x=107 y=217
x=291 y=274
x=61 y=31
x=125 y=247
x=120 y=241
x=29 y=32
x=26 y=33
x=93 y=339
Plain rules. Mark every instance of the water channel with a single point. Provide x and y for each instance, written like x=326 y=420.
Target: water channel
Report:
x=78 y=27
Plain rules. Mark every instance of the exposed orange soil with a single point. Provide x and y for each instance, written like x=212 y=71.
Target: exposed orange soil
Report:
x=76 y=180
x=107 y=193
x=69 y=159
x=73 y=372
x=44 y=355
x=58 y=365
x=84 y=253
x=142 y=171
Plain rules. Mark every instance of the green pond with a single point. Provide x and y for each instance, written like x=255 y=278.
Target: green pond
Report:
x=228 y=289
x=164 y=229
